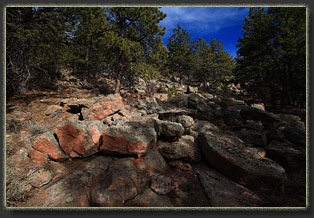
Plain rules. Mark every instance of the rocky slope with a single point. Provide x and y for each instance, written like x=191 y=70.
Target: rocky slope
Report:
x=153 y=146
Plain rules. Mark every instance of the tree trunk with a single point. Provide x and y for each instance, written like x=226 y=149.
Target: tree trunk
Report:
x=118 y=86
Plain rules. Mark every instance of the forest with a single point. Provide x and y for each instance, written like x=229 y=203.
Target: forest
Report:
x=126 y=42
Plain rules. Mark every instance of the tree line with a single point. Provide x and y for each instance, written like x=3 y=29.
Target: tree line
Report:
x=126 y=42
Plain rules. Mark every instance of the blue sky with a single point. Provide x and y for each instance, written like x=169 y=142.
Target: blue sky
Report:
x=222 y=23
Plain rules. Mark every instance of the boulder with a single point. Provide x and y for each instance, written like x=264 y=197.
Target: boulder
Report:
x=296 y=137
x=257 y=138
x=132 y=138
x=185 y=120
x=268 y=119
x=47 y=144
x=149 y=199
x=233 y=158
x=103 y=107
x=169 y=129
x=223 y=192
x=202 y=126
x=204 y=111
x=79 y=139
x=184 y=148
x=291 y=158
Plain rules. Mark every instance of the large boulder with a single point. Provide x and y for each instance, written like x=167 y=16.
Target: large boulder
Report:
x=184 y=148
x=235 y=160
x=287 y=155
x=132 y=138
x=48 y=145
x=222 y=192
x=79 y=139
x=268 y=119
x=104 y=106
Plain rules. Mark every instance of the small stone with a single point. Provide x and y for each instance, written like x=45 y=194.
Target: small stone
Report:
x=69 y=199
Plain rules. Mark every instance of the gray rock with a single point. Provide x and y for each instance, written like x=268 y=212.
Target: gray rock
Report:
x=185 y=120
x=233 y=158
x=170 y=129
x=222 y=192
x=204 y=111
x=286 y=155
x=185 y=148
x=268 y=119
x=132 y=138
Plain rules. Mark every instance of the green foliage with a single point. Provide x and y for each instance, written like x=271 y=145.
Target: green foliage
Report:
x=271 y=55
x=212 y=62
x=181 y=58
x=172 y=91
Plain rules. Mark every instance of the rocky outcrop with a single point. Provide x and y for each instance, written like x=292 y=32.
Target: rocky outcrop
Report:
x=194 y=150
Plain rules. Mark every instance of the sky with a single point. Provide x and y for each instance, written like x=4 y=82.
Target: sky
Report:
x=222 y=23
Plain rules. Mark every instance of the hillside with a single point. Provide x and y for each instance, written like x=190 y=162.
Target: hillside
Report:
x=76 y=144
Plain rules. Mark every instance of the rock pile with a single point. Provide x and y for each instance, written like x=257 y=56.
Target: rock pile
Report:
x=213 y=151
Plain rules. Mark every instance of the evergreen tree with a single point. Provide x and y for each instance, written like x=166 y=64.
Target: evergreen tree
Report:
x=135 y=37
x=213 y=63
x=181 y=59
x=271 y=55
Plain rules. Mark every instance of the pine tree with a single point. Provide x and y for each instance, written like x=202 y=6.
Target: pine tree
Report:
x=181 y=58
x=271 y=55
x=134 y=38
